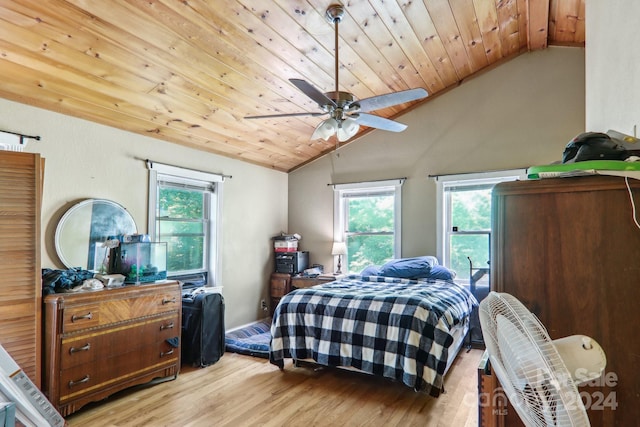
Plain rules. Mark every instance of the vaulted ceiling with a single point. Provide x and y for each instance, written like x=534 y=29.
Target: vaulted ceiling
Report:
x=190 y=71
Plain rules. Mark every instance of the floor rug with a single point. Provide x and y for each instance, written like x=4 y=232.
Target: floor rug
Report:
x=252 y=340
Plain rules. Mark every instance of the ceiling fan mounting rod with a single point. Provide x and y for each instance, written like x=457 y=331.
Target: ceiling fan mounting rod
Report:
x=334 y=15
x=346 y=114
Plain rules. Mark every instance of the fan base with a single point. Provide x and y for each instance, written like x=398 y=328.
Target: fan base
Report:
x=342 y=99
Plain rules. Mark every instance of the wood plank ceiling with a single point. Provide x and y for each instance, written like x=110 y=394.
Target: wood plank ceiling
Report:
x=189 y=71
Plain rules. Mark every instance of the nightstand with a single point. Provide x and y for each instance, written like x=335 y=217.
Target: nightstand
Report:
x=280 y=285
x=307 y=282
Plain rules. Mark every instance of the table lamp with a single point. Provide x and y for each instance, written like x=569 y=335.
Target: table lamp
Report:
x=339 y=248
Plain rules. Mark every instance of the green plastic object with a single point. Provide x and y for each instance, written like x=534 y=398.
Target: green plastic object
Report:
x=589 y=167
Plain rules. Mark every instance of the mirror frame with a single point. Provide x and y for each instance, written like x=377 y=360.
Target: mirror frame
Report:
x=105 y=218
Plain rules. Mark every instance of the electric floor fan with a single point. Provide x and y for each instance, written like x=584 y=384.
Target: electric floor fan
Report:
x=538 y=375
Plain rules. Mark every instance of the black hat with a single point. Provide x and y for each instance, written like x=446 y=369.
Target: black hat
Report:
x=593 y=146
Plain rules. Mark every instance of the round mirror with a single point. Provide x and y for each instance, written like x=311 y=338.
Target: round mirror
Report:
x=85 y=226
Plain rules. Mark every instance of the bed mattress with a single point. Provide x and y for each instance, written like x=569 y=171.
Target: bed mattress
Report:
x=407 y=330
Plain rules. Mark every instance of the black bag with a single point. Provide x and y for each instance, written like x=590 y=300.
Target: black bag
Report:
x=593 y=146
x=202 y=329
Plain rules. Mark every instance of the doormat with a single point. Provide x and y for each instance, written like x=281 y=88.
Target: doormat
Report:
x=252 y=340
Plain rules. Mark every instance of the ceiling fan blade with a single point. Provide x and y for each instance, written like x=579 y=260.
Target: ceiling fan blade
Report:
x=383 y=101
x=285 y=115
x=312 y=92
x=378 y=122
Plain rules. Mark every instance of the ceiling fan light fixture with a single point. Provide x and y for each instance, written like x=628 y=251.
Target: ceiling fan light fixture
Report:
x=347 y=129
x=346 y=112
x=325 y=129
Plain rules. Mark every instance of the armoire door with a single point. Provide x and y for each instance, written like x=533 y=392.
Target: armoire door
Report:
x=20 y=273
x=569 y=250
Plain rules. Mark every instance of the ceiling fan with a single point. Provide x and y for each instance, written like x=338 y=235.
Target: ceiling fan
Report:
x=346 y=113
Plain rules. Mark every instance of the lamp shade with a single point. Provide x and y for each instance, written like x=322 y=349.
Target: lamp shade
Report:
x=339 y=248
x=325 y=129
x=348 y=127
x=343 y=129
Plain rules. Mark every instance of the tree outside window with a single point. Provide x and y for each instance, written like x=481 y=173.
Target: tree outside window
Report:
x=367 y=219
x=464 y=215
x=369 y=235
x=182 y=224
x=470 y=234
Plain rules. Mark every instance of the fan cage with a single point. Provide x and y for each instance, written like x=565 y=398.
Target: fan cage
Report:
x=530 y=369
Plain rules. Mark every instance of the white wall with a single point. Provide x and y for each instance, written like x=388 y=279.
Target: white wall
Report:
x=520 y=114
x=612 y=66
x=85 y=160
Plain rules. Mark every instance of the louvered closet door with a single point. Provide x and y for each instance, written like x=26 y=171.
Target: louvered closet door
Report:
x=20 y=275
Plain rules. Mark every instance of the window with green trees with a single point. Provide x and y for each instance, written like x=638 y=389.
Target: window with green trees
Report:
x=183 y=223
x=368 y=220
x=369 y=234
x=469 y=233
x=465 y=217
x=184 y=213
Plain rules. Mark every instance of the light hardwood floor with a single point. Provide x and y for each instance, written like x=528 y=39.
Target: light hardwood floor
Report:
x=245 y=391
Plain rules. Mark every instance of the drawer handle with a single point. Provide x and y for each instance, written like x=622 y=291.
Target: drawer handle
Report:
x=169 y=301
x=82 y=317
x=85 y=347
x=82 y=381
x=166 y=353
x=169 y=326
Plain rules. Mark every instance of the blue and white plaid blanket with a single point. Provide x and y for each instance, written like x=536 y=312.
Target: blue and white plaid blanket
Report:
x=396 y=328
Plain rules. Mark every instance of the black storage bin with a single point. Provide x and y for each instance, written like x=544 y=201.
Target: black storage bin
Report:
x=202 y=329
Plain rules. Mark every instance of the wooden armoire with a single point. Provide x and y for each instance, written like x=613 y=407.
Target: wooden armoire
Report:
x=20 y=278
x=569 y=249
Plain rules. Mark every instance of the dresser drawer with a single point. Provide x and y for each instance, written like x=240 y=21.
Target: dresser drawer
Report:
x=111 y=369
x=91 y=347
x=78 y=317
x=306 y=282
x=81 y=317
x=280 y=284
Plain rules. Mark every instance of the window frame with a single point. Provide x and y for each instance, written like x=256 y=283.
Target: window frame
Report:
x=372 y=188
x=443 y=202
x=213 y=185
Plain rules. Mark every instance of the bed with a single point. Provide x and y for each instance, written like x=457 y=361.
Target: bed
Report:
x=408 y=330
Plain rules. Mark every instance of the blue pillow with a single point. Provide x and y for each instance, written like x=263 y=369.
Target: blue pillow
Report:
x=440 y=272
x=370 y=270
x=407 y=268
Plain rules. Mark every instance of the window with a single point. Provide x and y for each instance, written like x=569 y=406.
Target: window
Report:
x=184 y=213
x=464 y=220
x=367 y=218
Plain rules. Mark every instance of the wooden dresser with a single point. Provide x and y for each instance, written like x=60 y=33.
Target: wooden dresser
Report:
x=21 y=278
x=568 y=249
x=100 y=342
